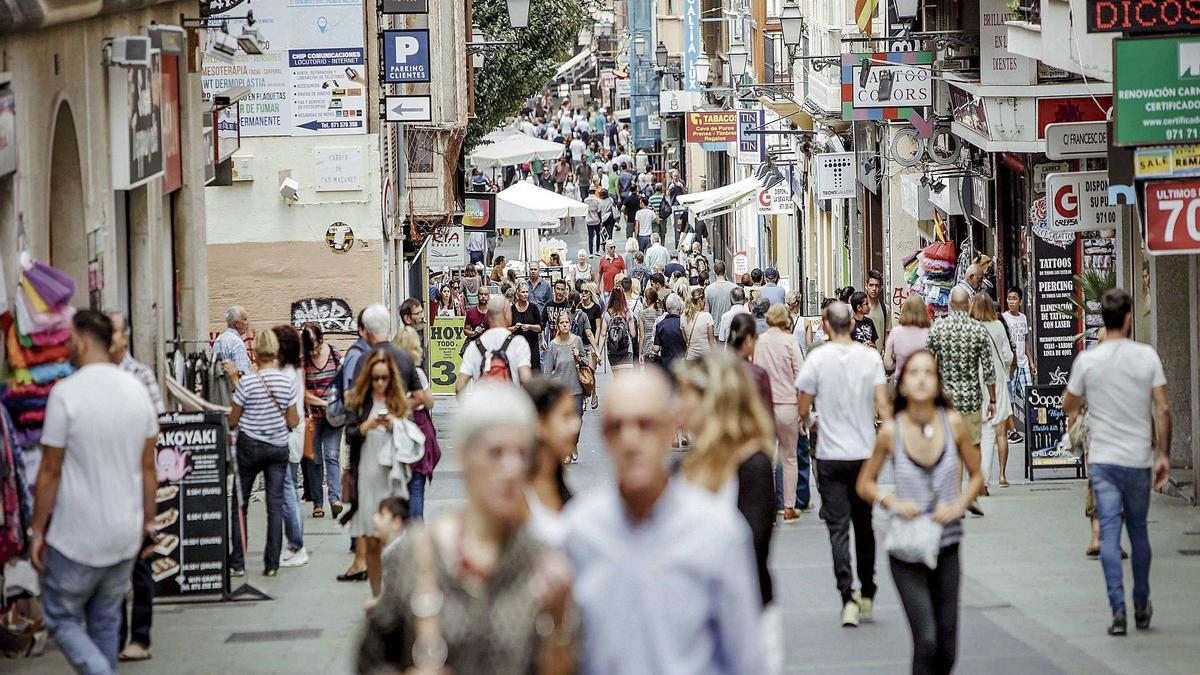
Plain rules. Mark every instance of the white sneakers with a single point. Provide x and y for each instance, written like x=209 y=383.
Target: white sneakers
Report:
x=850 y=615
x=292 y=558
x=858 y=609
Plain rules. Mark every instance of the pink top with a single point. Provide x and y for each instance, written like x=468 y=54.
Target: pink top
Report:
x=904 y=341
x=778 y=353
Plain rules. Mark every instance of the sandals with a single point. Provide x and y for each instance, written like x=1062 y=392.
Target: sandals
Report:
x=1003 y=482
x=318 y=512
x=595 y=403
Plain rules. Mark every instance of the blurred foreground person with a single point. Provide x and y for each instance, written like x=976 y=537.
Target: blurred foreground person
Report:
x=473 y=591
x=558 y=424
x=657 y=593
x=927 y=443
x=732 y=444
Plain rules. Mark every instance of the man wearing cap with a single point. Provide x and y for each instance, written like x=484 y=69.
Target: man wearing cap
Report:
x=771 y=290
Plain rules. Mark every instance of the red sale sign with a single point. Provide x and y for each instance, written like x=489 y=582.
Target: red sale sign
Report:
x=1173 y=217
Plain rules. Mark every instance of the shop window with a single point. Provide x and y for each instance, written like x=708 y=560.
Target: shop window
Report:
x=421 y=150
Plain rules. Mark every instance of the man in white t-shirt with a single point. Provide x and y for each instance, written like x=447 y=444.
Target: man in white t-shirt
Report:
x=1129 y=420
x=577 y=147
x=98 y=478
x=645 y=218
x=847 y=382
x=499 y=339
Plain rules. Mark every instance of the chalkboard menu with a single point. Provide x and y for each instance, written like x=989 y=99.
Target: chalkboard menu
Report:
x=1045 y=430
x=191 y=504
x=1055 y=264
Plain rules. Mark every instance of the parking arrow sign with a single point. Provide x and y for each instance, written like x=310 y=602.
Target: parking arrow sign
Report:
x=408 y=109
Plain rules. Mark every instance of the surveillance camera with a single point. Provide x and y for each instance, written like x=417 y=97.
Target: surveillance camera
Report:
x=289 y=190
x=223 y=46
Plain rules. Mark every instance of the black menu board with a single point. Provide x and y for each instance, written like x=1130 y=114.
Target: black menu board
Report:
x=1045 y=430
x=191 y=504
x=1056 y=262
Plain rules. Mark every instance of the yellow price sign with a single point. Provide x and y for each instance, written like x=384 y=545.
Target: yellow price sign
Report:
x=446 y=336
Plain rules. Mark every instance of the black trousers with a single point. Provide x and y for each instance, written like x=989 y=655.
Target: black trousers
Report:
x=137 y=625
x=841 y=507
x=930 y=599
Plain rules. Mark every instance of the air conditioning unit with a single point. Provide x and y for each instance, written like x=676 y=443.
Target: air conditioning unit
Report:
x=131 y=51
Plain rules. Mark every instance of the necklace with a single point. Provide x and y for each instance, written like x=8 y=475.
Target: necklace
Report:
x=927 y=430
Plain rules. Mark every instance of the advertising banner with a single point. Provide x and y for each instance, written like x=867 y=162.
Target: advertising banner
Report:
x=1167 y=162
x=1045 y=429
x=406 y=56
x=752 y=147
x=1143 y=16
x=1076 y=109
x=329 y=91
x=997 y=65
x=1156 y=87
x=1173 y=217
x=911 y=87
x=1055 y=264
x=479 y=212
x=135 y=123
x=404 y=7
x=693 y=44
x=446 y=337
x=192 y=503
x=1078 y=202
x=710 y=127
x=447 y=248
x=172 y=154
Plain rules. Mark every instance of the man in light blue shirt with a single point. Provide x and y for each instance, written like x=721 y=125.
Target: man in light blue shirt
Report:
x=772 y=290
x=656 y=592
x=230 y=346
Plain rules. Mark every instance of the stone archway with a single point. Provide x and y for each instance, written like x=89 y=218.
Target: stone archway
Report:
x=68 y=232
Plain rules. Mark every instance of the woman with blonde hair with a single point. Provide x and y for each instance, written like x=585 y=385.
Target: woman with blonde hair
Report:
x=697 y=325
x=732 y=455
x=910 y=336
x=422 y=472
x=995 y=430
x=778 y=354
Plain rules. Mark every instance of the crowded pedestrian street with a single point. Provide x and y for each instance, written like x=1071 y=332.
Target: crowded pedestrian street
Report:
x=599 y=337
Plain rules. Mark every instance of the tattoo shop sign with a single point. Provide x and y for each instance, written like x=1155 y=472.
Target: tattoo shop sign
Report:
x=135 y=123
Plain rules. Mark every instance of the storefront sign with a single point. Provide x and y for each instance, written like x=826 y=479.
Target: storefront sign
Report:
x=1079 y=109
x=693 y=44
x=339 y=237
x=329 y=91
x=1156 y=82
x=911 y=85
x=191 y=499
x=172 y=145
x=447 y=248
x=1045 y=427
x=135 y=123
x=1173 y=217
x=406 y=56
x=997 y=65
x=8 y=132
x=1056 y=262
x=1040 y=171
x=339 y=169
x=404 y=7
x=979 y=206
x=751 y=147
x=969 y=111
x=835 y=175
x=1142 y=16
x=741 y=263
x=775 y=201
x=1074 y=140
x=675 y=101
x=479 y=212
x=1078 y=202
x=710 y=127
x=1168 y=162
x=446 y=337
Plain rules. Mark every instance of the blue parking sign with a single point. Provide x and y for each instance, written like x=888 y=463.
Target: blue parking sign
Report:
x=405 y=56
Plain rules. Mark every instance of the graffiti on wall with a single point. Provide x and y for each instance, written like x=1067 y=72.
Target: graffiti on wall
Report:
x=333 y=315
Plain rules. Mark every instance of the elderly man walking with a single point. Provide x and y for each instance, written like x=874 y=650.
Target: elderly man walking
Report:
x=963 y=350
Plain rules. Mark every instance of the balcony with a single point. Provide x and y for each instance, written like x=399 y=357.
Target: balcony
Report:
x=1039 y=35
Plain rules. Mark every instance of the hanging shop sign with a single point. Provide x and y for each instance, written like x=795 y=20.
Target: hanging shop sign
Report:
x=1167 y=162
x=914 y=197
x=1076 y=140
x=135 y=123
x=406 y=56
x=835 y=175
x=774 y=201
x=8 y=132
x=446 y=337
x=229 y=132
x=675 y=101
x=1173 y=217
x=447 y=248
x=741 y=263
x=339 y=237
x=1056 y=262
x=339 y=169
x=191 y=505
x=479 y=212
x=408 y=108
x=751 y=147
x=1156 y=84
x=404 y=7
x=895 y=85
x=718 y=126
x=1077 y=109
x=997 y=65
x=693 y=44
x=1078 y=202
x=1143 y=16
x=969 y=110
x=172 y=140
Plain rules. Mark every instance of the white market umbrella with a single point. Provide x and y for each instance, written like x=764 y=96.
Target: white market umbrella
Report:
x=515 y=149
x=525 y=206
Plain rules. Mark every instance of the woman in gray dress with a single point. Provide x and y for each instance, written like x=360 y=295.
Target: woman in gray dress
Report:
x=563 y=354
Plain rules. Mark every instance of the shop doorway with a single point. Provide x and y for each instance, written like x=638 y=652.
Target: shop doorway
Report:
x=68 y=233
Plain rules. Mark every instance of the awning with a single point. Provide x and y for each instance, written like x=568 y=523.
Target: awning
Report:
x=579 y=60
x=515 y=149
x=526 y=206
x=702 y=203
x=791 y=112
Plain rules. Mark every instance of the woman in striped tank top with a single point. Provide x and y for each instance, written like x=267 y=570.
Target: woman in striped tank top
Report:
x=926 y=442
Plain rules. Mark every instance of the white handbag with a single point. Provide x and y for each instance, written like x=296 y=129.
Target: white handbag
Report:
x=914 y=540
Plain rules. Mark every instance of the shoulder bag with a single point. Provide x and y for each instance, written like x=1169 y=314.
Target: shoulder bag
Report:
x=917 y=539
x=587 y=376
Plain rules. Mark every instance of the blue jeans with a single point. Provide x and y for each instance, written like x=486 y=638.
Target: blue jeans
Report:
x=1123 y=492
x=254 y=457
x=293 y=522
x=325 y=466
x=643 y=243
x=416 y=495
x=803 y=491
x=74 y=594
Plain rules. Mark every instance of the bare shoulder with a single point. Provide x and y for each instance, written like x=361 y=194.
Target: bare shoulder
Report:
x=886 y=437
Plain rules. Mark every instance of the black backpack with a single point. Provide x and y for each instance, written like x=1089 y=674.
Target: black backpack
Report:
x=665 y=209
x=618 y=336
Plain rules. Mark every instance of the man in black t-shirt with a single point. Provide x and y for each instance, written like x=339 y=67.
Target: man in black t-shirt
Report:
x=864 y=330
x=559 y=303
x=527 y=322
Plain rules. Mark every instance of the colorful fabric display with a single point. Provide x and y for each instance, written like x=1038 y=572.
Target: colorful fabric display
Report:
x=31 y=418
x=41 y=322
x=53 y=286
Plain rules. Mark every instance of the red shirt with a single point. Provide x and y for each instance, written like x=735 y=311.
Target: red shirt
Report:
x=476 y=318
x=609 y=269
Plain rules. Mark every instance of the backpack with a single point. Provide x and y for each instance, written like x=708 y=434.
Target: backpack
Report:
x=494 y=365
x=665 y=209
x=335 y=402
x=618 y=336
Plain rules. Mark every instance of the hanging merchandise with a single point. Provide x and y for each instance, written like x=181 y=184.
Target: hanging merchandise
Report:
x=936 y=265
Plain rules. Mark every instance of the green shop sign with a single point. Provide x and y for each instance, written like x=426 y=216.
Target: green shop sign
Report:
x=1156 y=90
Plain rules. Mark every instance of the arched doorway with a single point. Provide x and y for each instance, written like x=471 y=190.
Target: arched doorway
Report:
x=68 y=238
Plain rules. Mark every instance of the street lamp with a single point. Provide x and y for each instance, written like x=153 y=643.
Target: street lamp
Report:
x=739 y=58
x=792 y=22
x=701 y=67
x=660 y=55
x=518 y=13
x=639 y=47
